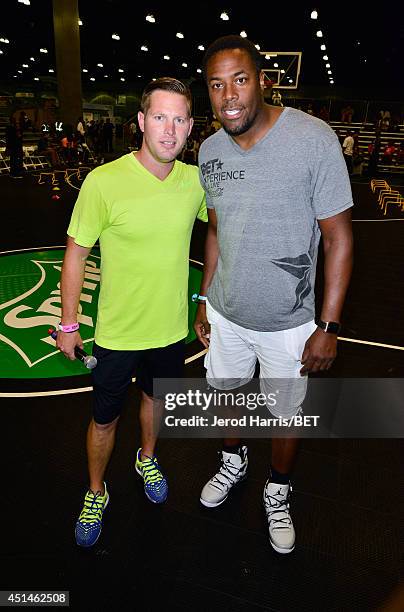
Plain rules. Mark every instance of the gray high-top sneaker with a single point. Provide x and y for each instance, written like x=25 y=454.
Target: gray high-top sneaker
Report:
x=233 y=469
x=276 y=504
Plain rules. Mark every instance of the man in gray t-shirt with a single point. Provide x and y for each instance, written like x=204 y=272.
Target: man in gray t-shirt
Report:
x=275 y=182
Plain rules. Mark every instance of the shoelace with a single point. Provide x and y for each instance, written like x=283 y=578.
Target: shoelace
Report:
x=225 y=470
x=151 y=471
x=280 y=506
x=92 y=510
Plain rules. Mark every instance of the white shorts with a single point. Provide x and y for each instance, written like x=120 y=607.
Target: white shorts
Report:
x=233 y=353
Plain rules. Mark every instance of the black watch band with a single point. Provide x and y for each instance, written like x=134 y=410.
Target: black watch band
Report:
x=330 y=327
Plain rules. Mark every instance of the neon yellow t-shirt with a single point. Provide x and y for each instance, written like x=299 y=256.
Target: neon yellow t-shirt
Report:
x=144 y=227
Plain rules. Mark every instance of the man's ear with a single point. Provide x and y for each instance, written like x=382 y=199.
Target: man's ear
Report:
x=191 y=125
x=140 y=118
x=262 y=80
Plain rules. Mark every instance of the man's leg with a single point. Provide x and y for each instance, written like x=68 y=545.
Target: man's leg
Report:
x=150 y=415
x=163 y=362
x=100 y=443
x=279 y=355
x=230 y=364
x=111 y=379
x=283 y=455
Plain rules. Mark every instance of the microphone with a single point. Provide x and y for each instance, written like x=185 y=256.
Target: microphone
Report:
x=89 y=360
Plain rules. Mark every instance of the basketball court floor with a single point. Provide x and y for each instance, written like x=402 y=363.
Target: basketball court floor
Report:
x=347 y=502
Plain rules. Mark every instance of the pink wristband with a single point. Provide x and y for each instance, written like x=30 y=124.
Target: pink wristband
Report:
x=68 y=328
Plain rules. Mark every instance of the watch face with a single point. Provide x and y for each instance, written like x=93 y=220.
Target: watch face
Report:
x=332 y=327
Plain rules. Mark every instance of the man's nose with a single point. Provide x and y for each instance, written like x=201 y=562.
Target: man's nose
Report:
x=169 y=127
x=229 y=92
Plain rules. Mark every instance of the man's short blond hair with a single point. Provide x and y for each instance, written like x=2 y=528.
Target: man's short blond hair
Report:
x=165 y=84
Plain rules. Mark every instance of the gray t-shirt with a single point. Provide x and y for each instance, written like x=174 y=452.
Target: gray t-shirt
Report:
x=267 y=201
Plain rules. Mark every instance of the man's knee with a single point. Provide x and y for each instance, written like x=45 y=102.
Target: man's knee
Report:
x=105 y=426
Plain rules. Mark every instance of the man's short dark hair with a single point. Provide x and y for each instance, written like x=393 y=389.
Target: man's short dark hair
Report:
x=232 y=42
x=165 y=84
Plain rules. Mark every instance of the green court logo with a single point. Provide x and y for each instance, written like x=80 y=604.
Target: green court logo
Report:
x=30 y=303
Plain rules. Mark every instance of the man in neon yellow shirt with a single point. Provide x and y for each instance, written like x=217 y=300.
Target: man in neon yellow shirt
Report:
x=142 y=208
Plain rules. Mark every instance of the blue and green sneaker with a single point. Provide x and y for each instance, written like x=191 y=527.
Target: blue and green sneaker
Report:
x=155 y=485
x=89 y=523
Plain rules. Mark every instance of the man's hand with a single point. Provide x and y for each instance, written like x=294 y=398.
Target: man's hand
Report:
x=201 y=325
x=319 y=352
x=67 y=342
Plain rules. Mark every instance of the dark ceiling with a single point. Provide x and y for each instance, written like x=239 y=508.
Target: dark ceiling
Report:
x=364 y=44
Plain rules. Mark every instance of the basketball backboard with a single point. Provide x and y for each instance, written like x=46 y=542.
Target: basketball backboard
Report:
x=282 y=68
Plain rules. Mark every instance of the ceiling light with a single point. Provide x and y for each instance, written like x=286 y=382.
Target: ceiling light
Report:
x=184 y=64
x=166 y=57
x=4 y=40
x=243 y=34
x=139 y=76
x=92 y=79
x=314 y=15
x=15 y=76
x=319 y=34
x=179 y=35
x=25 y=66
x=282 y=72
x=121 y=70
x=144 y=48
x=199 y=71
x=332 y=82
x=257 y=47
x=325 y=57
x=329 y=72
x=32 y=59
x=51 y=70
x=267 y=56
x=100 y=65
x=1 y=52
x=36 y=79
x=106 y=76
x=224 y=16
x=19 y=71
x=116 y=37
x=80 y=22
x=201 y=48
x=276 y=65
x=150 y=19
x=85 y=70
x=154 y=79
x=43 y=50
x=323 y=47
x=122 y=79
x=328 y=65
x=358 y=43
x=27 y=2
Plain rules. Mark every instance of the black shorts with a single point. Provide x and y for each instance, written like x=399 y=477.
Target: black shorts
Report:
x=115 y=369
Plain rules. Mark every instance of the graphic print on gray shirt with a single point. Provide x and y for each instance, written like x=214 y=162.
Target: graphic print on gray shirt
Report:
x=267 y=202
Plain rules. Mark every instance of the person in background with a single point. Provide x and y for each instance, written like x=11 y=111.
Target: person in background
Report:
x=14 y=148
x=107 y=132
x=348 y=148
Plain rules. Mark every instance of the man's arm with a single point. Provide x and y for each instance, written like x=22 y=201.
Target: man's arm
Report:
x=321 y=348
x=201 y=325
x=71 y=285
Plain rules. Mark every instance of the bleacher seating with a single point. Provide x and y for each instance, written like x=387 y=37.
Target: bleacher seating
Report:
x=367 y=136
